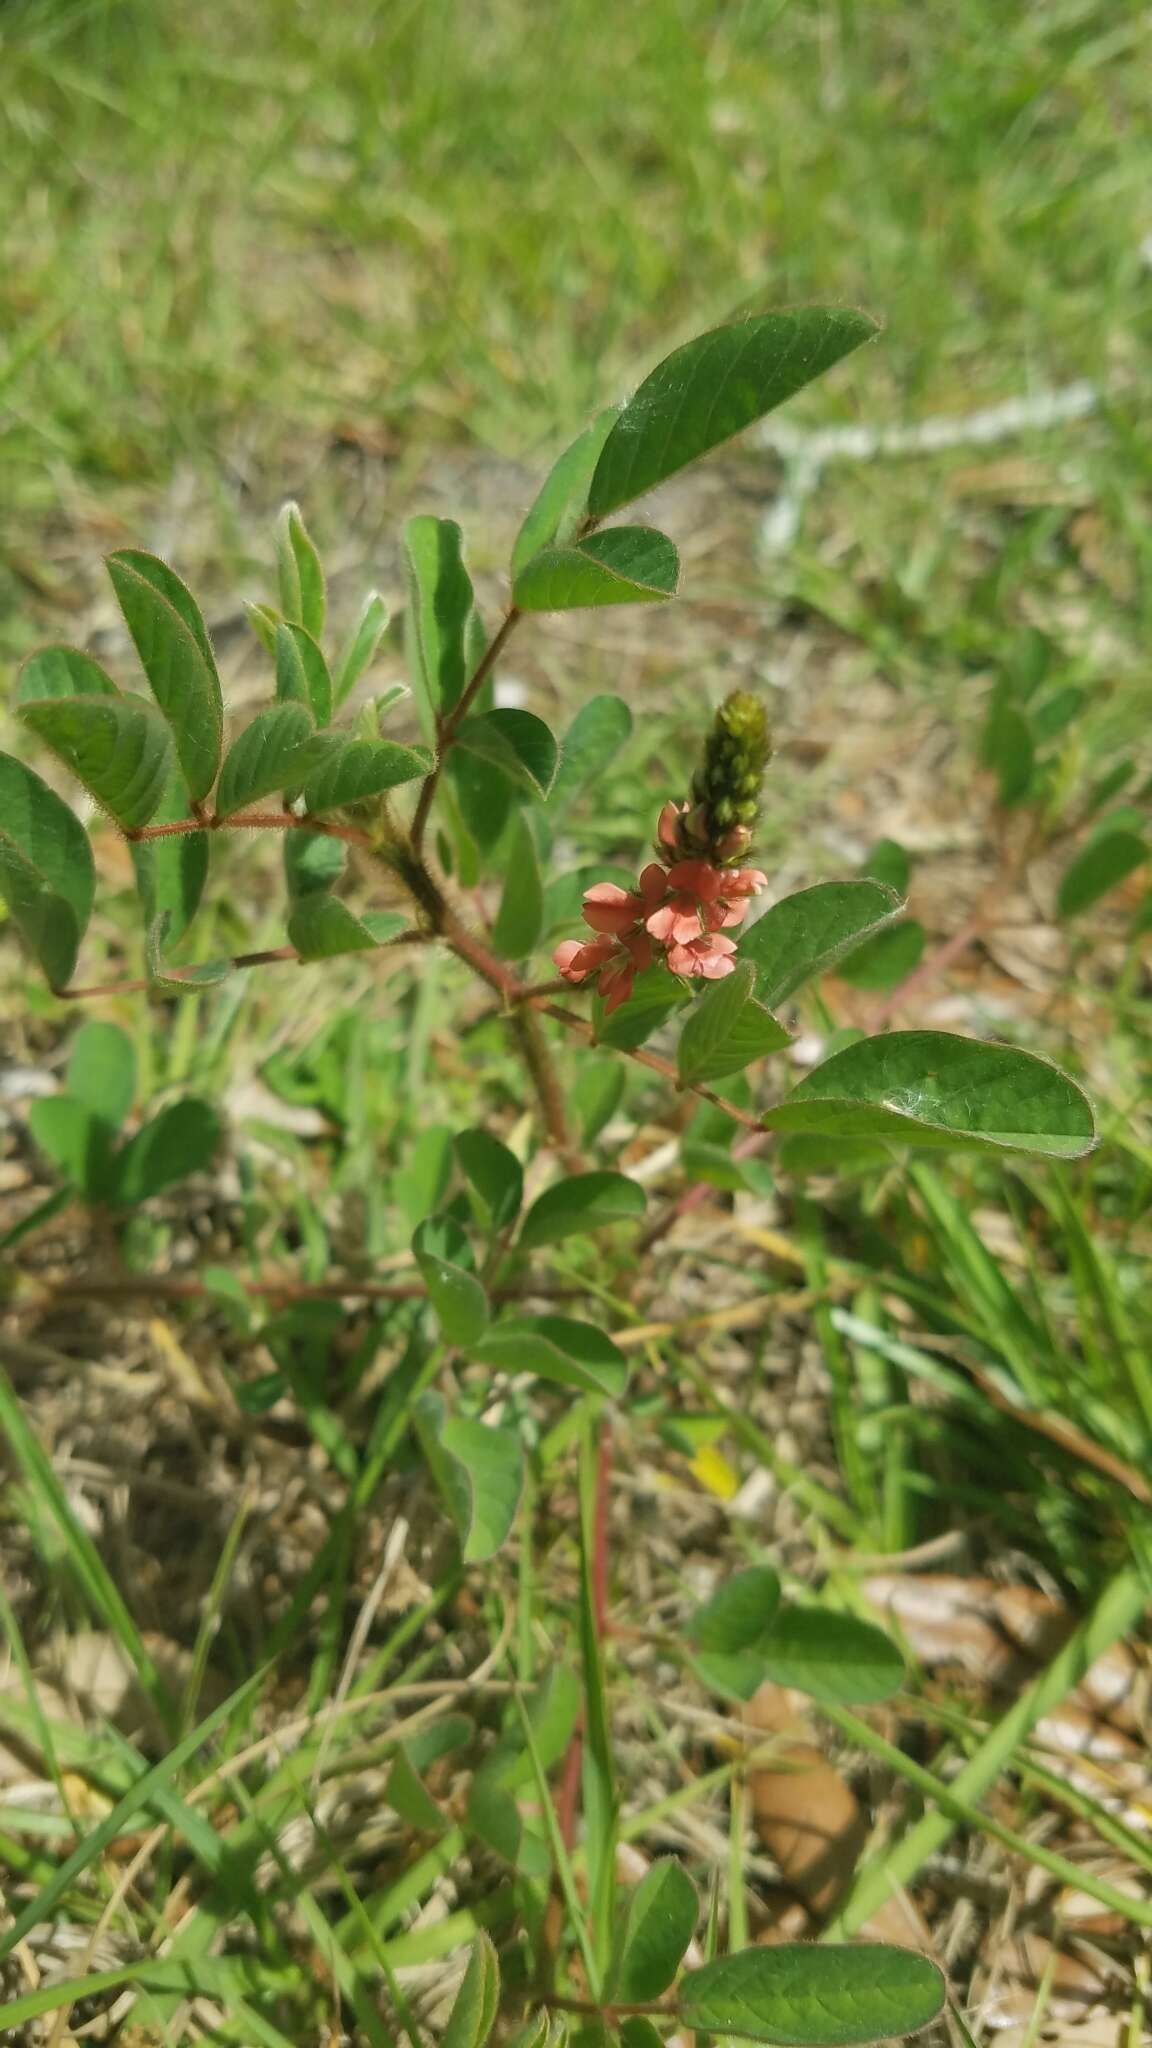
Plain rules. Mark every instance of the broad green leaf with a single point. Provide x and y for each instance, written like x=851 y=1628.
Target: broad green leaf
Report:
x=302 y=673
x=102 y=1071
x=456 y=1294
x=313 y=863
x=440 y=604
x=726 y=1029
x=420 y=1183
x=172 y=644
x=812 y=1994
x=495 y=1173
x=578 y=1204
x=171 y=873
x=1100 y=866
x=739 y=1612
x=597 y=1094
x=888 y=863
x=638 y=2032
x=47 y=877
x=346 y=771
x=656 y=994
x=805 y=934
x=493 y=1818
x=886 y=960
x=473 y=2015
x=560 y=503
x=118 y=747
x=623 y=565
x=591 y=744
x=484 y=794
x=520 y=918
x=178 y=1140
x=62 y=672
x=555 y=1348
x=929 y=1088
x=830 y=1656
x=1008 y=749
x=1050 y=717
x=407 y=1795
x=77 y=1140
x=260 y=760
x=712 y=388
x=321 y=926
x=359 y=651
x=303 y=599
x=478 y=1469
x=517 y=743
x=661 y=1922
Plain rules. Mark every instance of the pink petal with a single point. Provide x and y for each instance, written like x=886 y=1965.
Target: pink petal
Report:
x=608 y=908
x=745 y=882
x=567 y=957
x=640 y=948
x=668 y=827
x=734 y=914
x=714 y=966
x=697 y=878
x=661 y=923
x=653 y=884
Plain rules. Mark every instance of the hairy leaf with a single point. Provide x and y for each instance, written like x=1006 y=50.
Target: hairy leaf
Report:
x=813 y=1995
x=118 y=747
x=520 y=918
x=578 y=1204
x=1102 y=865
x=495 y=1173
x=47 y=877
x=929 y=1088
x=480 y=1472
x=321 y=926
x=172 y=643
x=556 y=1348
x=661 y=1922
x=623 y=565
x=303 y=599
x=712 y=388
x=179 y=1140
x=805 y=934
x=560 y=503
x=727 y=1029
x=264 y=758
x=346 y=771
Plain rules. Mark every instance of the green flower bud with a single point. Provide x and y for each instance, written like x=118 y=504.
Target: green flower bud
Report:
x=726 y=786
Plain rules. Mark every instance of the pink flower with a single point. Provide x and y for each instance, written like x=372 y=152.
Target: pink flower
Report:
x=608 y=908
x=711 y=955
x=578 y=958
x=704 y=899
x=678 y=912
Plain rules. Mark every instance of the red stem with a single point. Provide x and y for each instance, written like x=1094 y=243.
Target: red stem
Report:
x=255 y=821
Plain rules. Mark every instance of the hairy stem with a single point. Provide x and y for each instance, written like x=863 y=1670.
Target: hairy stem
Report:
x=253 y=821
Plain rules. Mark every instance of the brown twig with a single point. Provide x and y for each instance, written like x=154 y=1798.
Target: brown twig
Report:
x=171 y=1287
x=269 y=957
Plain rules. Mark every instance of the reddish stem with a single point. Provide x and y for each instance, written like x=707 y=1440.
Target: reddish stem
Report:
x=255 y=821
